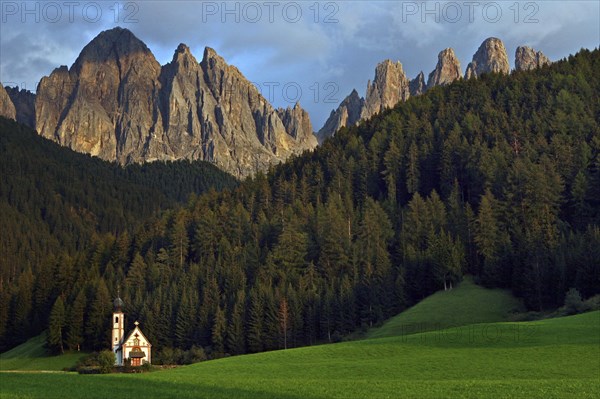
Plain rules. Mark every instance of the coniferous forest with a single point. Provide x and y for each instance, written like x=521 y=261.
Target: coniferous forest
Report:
x=497 y=177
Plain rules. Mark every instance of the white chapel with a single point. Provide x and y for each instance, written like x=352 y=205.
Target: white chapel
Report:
x=134 y=346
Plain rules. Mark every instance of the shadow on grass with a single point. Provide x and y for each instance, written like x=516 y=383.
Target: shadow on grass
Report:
x=71 y=385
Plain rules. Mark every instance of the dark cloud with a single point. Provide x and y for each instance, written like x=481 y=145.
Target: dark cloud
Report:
x=339 y=45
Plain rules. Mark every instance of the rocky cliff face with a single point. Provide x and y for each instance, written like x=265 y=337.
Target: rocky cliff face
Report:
x=298 y=125
x=24 y=102
x=446 y=71
x=527 y=58
x=417 y=86
x=180 y=113
x=246 y=121
x=7 y=108
x=104 y=104
x=490 y=57
x=347 y=114
x=389 y=87
x=118 y=103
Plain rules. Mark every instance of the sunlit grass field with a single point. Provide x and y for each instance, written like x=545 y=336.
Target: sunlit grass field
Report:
x=466 y=304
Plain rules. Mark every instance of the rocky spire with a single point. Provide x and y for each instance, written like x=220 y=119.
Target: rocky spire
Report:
x=527 y=58
x=490 y=57
x=7 y=108
x=297 y=123
x=389 y=87
x=24 y=102
x=250 y=126
x=417 y=85
x=446 y=71
x=347 y=114
x=177 y=131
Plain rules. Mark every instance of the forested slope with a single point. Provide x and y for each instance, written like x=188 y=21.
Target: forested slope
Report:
x=498 y=177
x=55 y=203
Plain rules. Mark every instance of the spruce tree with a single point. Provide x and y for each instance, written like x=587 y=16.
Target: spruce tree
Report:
x=56 y=328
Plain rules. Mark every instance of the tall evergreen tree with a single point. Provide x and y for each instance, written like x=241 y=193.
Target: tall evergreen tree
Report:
x=75 y=324
x=97 y=329
x=56 y=329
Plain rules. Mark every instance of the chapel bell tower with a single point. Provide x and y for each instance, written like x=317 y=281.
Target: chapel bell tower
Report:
x=118 y=327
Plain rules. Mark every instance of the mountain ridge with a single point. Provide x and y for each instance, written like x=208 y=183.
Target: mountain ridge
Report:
x=490 y=57
x=118 y=103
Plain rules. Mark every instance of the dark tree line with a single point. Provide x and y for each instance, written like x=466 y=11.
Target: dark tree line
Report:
x=498 y=177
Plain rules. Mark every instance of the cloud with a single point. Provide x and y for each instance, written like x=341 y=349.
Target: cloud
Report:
x=331 y=42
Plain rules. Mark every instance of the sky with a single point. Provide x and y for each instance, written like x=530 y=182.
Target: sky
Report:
x=314 y=52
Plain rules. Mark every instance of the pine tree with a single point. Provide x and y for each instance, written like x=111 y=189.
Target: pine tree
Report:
x=136 y=275
x=218 y=332
x=291 y=250
x=490 y=241
x=271 y=333
x=21 y=306
x=184 y=322
x=56 y=336
x=4 y=305
x=178 y=238
x=334 y=240
x=413 y=173
x=392 y=159
x=347 y=306
x=284 y=320
x=76 y=319
x=235 y=330
x=206 y=312
x=255 y=322
x=374 y=235
x=447 y=256
x=97 y=328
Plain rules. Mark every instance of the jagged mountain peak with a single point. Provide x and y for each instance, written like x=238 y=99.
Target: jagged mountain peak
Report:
x=298 y=125
x=526 y=58
x=114 y=43
x=491 y=56
x=24 y=103
x=385 y=67
x=120 y=36
x=389 y=86
x=447 y=69
x=118 y=103
x=417 y=85
x=183 y=48
x=183 y=57
x=212 y=58
x=104 y=105
x=348 y=113
x=7 y=108
x=210 y=52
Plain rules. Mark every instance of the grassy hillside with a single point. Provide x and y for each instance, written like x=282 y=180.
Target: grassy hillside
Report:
x=466 y=304
x=31 y=355
x=555 y=358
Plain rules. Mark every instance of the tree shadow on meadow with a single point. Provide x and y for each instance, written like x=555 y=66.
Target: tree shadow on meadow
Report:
x=60 y=386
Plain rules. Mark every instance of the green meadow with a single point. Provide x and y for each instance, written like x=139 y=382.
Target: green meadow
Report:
x=31 y=355
x=466 y=304
x=552 y=358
